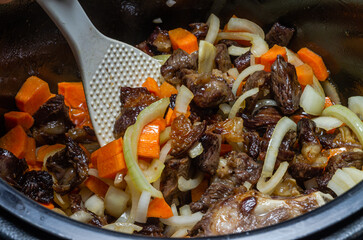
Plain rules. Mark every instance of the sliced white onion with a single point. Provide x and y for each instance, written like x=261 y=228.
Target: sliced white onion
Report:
x=153 y=172
x=142 y=207
x=185 y=210
x=170 y=3
x=356 y=105
x=174 y=209
x=96 y=205
x=196 y=150
x=162 y=58
x=180 y=233
x=157 y=20
x=123 y=227
x=259 y=46
x=81 y=216
x=237 y=51
x=124 y=216
x=237 y=105
x=183 y=221
x=182 y=100
x=331 y=92
x=233 y=72
x=213 y=24
x=85 y=193
x=165 y=135
x=93 y=172
x=165 y=151
x=269 y=186
x=311 y=101
x=135 y=196
x=264 y=103
x=116 y=201
x=225 y=108
x=245 y=73
x=247 y=185
x=243 y=25
x=293 y=58
x=317 y=86
x=355 y=174
x=344 y=179
x=252 y=60
x=282 y=127
x=206 y=56
x=186 y=185
x=327 y=123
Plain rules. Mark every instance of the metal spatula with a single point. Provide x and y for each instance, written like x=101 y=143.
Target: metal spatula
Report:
x=105 y=64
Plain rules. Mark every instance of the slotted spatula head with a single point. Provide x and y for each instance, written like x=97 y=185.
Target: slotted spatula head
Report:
x=105 y=64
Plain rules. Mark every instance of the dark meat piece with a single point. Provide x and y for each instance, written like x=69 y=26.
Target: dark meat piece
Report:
x=252 y=142
x=38 y=185
x=82 y=135
x=199 y=30
x=144 y=46
x=208 y=90
x=263 y=118
x=157 y=43
x=209 y=159
x=69 y=167
x=172 y=101
x=11 y=167
x=279 y=35
x=178 y=61
x=247 y=211
x=174 y=168
x=75 y=201
x=342 y=138
x=183 y=135
x=285 y=86
x=210 y=115
x=133 y=101
x=152 y=228
x=222 y=60
x=51 y=122
x=229 y=42
x=243 y=61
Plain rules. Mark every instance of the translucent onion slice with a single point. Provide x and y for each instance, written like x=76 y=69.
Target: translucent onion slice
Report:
x=356 y=105
x=81 y=216
x=213 y=24
x=123 y=227
x=243 y=25
x=331 y=91
x=225 y=108
x=96 y=205
x=165 y=135
x=269 y=186
x=317 y=86
x=245 y=73
x=259 y=46
x=182 y=100
x=206 y=55
x=116 y=201
x=311 y=101
x=135 y=196
x=233 y=72
x=348 y=117
x=154 y=171
x=355 y=174
x=342 y=181
x=165 y=151
x=186 y=185
x=195 y=150
x=293 y=58
x=282 y=127
x=142 y=206
x=183 y=221
x=327 y=123
x=162 y=58
x=185 y=210
x=237 y=51
x=237 y=105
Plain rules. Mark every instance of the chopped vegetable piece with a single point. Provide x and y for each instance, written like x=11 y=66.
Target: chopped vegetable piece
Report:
x=15 y=141
x=14 y=118
x=94 y=157
x=270 y=56
x=336 y=151
x=170 y=116
x=315 y=62
x=328 y=102
x=148 y=146
x=109 y=167
x=46 y=150
x=152 y=86
x=34 y=93
x=166 y=90
x=304 y=74
x=159 y=208
x=30 y=156
x=47 y=205
x=199 y=190
x=109 y=150
x=206 y=56
x=183 y=39
x=160 y=122
x=97 y=186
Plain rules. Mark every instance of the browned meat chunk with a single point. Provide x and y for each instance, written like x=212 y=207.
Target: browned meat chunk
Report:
x=174 y=168
x=229 y=42
x=285 y=86
x=252 y=210
x=51 y=122
x=133 y=101
x=199 y=30
x=69 y=167
x=243 y=61
x=38 y=185
x=157 y=43
x=208 y=90
x=82 y=135
x=179 y=60
x=342 y=138
x=209 y=159
x=263 y=118
x=222 y=60
x=11 y=167
x=184 y=135
x=152 y=228
x=251 y=140
x=279 y=35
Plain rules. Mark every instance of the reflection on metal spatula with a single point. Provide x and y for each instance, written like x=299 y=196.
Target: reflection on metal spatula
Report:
x=105 y=64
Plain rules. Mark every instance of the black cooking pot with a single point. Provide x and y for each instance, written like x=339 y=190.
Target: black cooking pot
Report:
x=30 y=44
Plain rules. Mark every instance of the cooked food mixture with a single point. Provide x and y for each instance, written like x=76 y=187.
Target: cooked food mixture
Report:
x=241 y=133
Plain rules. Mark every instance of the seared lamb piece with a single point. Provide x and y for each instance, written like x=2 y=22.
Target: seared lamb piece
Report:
x=251 y=140
x=265 y=117
x=222 y=60
x=285 y=86
x=199 y=30
x=209 y=159
x=11 y=167
x=157 y=43
x=51 y=122
x=179 y=60
x=133 y=101
x=208 y=90
x=243 y=61
x=252 y=210
x=38 y=185
x=342 y=138
x=152 y=228
x=279 y=35
x=69 y=167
